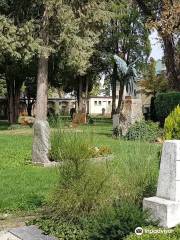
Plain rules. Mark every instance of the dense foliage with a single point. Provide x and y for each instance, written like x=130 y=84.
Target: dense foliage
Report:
x=153 y=83
x=172 y=125
x=148 y=131
x=119 y=221
x=165 y=104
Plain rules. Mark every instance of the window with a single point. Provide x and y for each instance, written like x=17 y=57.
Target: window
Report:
x=95 y=102
x=99 y=102
x=109 y=102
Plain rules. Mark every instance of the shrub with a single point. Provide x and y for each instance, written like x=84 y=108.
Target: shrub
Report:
x=117 y=132
x=172 y=125
x=165 y=103
x=91 y=121
x=76 y=196
x=147 y=131
x=118 y=221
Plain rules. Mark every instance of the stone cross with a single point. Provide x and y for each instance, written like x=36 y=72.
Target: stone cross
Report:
x=165 y=206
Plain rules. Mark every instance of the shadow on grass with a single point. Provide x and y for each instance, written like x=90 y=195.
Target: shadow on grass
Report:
x=4 y=125
x=104 y=134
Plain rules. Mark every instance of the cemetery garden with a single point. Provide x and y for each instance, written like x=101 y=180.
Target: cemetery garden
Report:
x=95 y=192
x=89 y=120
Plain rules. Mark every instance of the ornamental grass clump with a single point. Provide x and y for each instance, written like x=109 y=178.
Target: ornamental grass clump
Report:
x=70 y=145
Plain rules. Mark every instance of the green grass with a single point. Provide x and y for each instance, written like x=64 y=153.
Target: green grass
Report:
x=25 y=187
x=22 y=186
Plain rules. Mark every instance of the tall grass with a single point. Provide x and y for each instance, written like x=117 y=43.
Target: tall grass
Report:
x=137 y=169
x=84 y=185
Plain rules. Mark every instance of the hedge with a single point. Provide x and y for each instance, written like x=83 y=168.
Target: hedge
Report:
x=165 y=104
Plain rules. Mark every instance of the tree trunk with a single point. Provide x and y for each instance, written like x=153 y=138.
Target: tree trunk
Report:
x=13 y=100
x=169 y=48
x=121 y=92
x=10 y=88
x=170 y=62
x=87 y=88
x=114 y=80
x=42 y=89
x=29 y=108
x=80 y=99
x=17 y=100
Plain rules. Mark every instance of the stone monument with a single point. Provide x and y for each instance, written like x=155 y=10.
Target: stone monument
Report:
x=165 y=206
x=131 y=113
x=79 y=118
x=41 y=143
x=132 y=106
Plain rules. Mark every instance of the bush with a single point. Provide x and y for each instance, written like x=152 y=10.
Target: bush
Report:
x=117 y=132
x=172 y=125
x=165 y=104
x=91 y=121
x=147 y=131
x=118 y=221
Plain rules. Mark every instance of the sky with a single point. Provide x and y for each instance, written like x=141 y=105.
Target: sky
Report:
x=157 y=51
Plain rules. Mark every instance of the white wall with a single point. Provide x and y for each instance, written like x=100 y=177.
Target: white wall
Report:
x=97 y=104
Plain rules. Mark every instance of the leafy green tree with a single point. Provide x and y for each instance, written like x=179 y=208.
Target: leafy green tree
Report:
x=164 y=16
x=68 y=28
x=153 y=83
x=126 y=36
x=18 y=45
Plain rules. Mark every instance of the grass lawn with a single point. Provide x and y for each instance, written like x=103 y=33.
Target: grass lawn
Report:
x=25 y=187
x=22 y=186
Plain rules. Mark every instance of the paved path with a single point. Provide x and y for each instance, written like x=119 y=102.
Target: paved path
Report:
x=25 y=233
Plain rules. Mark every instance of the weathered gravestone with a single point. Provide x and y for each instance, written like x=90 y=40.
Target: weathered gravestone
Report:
x=165 y=206
x=41 y=143
x=131 y=113
x=79 y=118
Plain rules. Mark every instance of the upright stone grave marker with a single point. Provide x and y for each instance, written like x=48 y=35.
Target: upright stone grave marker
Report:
x=131 y=113
x=165 y=206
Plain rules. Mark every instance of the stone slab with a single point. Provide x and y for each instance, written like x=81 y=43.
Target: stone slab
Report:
x=41 y=142
x=30 y=233
x=165 y=211
x=169 y=176
x=7 y=236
